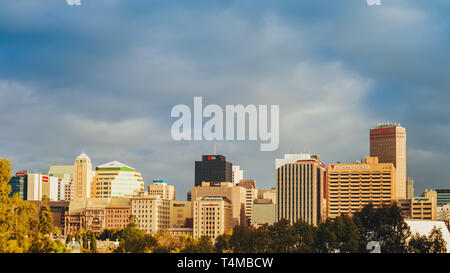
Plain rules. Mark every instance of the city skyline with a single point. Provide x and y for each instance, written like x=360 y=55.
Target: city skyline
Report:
x=103 y=77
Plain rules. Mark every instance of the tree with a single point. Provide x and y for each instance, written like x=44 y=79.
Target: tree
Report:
x=201 y=245
x=5 y=176
x=433 y=243
x=303 y=236
x=282 y=238
x=17 y=219
x=384 y=225
x=133 y=240
x=93 y=243
x=45 y=218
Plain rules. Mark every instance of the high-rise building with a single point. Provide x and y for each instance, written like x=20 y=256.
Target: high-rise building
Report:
x=64 y=173
x=161 y=188
x=443 y=197
x=300 y=188
x=115 y=179
x=82 y=177
x=212 y=216
x=213 y=168
x=237 y=174
x=410 y=188
x=19 y=185
x=251 y=195
x=350 y=187
x=236 y=195
x=388 y=143
x=152 y=212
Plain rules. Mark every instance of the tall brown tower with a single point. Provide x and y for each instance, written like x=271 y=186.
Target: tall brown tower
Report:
x=388 y=143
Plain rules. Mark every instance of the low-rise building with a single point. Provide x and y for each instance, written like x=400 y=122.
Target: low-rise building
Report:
x=212 y=216
x=162 y=189
x=180 y=214
x=263 y=212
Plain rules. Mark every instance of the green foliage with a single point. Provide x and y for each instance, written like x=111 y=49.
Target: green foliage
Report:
x=201 y=245
x=133 y=240
x=45 y=219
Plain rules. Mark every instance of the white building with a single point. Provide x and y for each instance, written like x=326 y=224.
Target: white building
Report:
x=40 y=185
x=115 y=179
x=237 y=175
x=64 y=173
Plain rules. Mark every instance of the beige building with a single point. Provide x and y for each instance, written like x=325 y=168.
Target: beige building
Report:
x=181 y=231
x=352 y=186
x=152 y=213
x=180 y=214
x=82 y=177
x=425 y=207
x=96 y=214
x=388 y=143
x=212 y=216
x=161 y=188
x=251 y=195
x=268 y=194
x=64 y=173
x=263 y=212
x=115 y=179
x=410 y=188
x=300 y=188
x=237 y=196
x=443 y=213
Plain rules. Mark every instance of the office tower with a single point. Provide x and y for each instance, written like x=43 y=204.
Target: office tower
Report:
x=19 y=185
x=350 y=187
x=180 y=214
x=161 y=188
x=263 y=212
x=424 y=207
x=251 y=195
x=388 y=143
x=237 y=175
x=64 y=173
x=410 y=188
x=82 y=177
x=213 y=168
x=152 y=212
x=443 y=197
x=115 y=179
x=300 y=188
x=39 y=185
x=212 y=216
x=236 y=195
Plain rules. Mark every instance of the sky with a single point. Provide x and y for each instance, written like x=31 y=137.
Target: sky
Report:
x=103 y=77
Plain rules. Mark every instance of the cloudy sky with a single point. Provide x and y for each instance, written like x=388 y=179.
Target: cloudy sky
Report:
x=105 y=75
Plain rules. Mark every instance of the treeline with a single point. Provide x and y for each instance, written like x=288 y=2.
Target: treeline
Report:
x=343 y=234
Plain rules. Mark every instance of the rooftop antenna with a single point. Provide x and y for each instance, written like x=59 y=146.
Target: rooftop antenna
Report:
x=214 y=149
x=289 y=149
